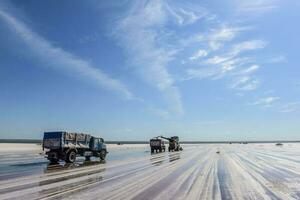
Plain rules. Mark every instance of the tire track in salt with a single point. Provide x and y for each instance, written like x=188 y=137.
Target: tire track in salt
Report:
x=70 y=185
x=128 y=188
x=256 y=175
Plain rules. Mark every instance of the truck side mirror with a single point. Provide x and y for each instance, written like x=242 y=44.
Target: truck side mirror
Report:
x=101 y=140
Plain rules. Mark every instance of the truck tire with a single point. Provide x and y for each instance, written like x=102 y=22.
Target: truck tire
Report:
x=102 y=154
x=71 y=157
x=152 y=150
x=169 y=149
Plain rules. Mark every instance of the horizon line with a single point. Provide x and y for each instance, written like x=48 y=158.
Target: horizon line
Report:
x=37 y=141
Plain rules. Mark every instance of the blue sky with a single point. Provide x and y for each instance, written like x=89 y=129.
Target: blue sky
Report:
x=131 y=70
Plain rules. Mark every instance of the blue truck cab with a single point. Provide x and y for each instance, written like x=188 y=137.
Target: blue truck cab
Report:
x=62 y=145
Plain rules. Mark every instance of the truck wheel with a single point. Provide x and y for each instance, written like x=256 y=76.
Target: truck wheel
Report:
x=102 y=154
x=152 y=150
x=71 y=157
x=160 y=150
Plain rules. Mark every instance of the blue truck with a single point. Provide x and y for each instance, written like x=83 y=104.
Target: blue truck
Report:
x=62 y=145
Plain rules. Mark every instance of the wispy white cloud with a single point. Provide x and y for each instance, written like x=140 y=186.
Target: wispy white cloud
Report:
x=277 y=59
x=290 y=107
x=241 y=81
x=231 y=64
x=200 y=73
x=140 y=33
x=251 y=69
x=256 y=6
x=62 y=60
x=266 y=101
x=216 y=38
x=199 y=54
x=245 y=83
x=217 y=67
x=217 y=59
x=247 y=46
x=185 y=14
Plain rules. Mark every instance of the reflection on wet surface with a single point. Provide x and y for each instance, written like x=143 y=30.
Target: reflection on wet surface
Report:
x=19 y=164
x=159 y=158
x=173 y=157
x=195 y=173
x=156 y=161
x=94 y=177
x=29 y=164
x=65 y=166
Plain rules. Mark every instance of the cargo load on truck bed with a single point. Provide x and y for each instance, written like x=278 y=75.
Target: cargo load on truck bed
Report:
x=66 y=140
x=62 y=145
x=157 y=144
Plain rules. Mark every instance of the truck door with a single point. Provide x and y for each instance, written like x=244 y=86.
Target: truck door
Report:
x=99 y=144
x=95 y=144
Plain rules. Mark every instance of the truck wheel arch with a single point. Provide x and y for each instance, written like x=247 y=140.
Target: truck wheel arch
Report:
x=71 y=149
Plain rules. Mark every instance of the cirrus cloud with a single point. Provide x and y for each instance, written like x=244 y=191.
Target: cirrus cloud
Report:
x=59 y=59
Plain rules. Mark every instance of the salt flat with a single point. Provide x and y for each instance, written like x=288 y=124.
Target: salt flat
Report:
x=239 y=171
